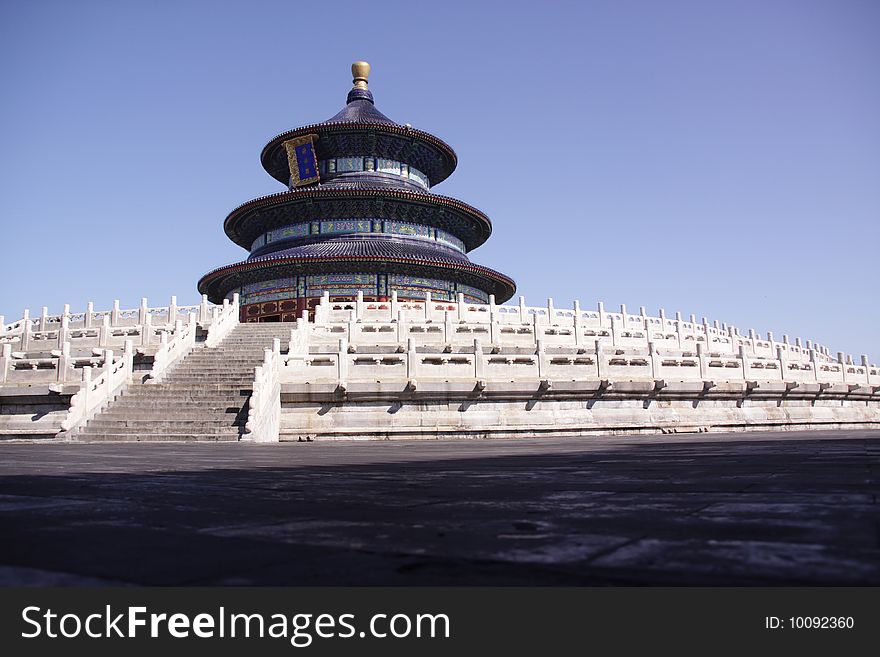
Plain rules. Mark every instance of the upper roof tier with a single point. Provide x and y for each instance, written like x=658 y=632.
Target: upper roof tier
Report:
x=360 y=129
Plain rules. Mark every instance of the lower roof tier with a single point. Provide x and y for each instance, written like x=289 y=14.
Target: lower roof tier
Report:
x=346 y=255
x=252 y=219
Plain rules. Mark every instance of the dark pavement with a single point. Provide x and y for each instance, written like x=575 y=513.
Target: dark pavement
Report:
x=741 y=509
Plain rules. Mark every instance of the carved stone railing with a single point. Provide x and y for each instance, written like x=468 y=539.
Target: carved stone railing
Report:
x=311 y=361
x=223 y=319
x=98 y=391
x=173 y=350
x=60 y=366
x=454 y=322
x=144 y=326
x=264 y=412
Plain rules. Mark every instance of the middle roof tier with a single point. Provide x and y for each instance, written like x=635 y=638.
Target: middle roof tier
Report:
x=256 y=218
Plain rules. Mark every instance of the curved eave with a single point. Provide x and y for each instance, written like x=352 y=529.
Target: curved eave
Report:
x=232 y=229
x=270 y=158
x=500 y=285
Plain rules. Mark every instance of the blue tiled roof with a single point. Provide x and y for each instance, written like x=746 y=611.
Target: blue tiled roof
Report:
x=380 y=246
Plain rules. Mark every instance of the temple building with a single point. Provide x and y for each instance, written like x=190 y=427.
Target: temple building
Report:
x=358 y=216
x=392 y=332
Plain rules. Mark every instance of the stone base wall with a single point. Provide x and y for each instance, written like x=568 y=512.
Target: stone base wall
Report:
x=498 y=418
x=34 y=411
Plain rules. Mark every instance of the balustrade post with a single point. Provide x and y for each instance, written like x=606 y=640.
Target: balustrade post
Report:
x=427 y=305
x=402 y=326
x=104 y=333
x=656 y=364
x=601 y=364
x=342 y=357
x=522 y=310
x=142 y=311
x=146 y=329
x=615 y=332
x=88 y=319
x=448 y=330
x=602 y=319
x=479 y=360
x=411 y=362
x=461 y=307
x=744 y=362
x=172 y=310
x=495 y=331
x=753 y=340
x=2 y=325
x=114 y=314
x=44 y=318
x=66 y=312
x=25 y=343
x=841 y=359
x=353 y=335
x=493 y=319
x=541 y=355
x=663 y=322
x=782 y=357
x=86 y=389
x=551 y=312
x=578 y=324
x=5 y=361
x=704 y=361
x=814 y=364
x=359 y=305
x=106 y=387
x=395 y=304
x=203 y=309
x=296 y=344
x=128 y=358
x=63 y=330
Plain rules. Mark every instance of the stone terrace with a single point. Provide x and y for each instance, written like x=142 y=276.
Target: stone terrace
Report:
x=738 y=509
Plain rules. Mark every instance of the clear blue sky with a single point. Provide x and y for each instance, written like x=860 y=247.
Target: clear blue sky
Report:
x=720 y=158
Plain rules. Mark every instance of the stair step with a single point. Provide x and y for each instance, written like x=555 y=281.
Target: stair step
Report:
x=164 y=415
x=158 y=437
x=202 y=398
x=166 y=427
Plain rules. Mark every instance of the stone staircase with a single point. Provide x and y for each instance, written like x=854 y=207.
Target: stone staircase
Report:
x=204 y=397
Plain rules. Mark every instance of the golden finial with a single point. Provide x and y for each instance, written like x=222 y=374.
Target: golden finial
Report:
x=360 y=71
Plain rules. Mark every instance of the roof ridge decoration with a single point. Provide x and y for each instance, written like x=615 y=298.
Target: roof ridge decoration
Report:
x=360 y=71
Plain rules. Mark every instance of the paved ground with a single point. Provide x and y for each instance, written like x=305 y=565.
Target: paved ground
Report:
x=759 y=508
